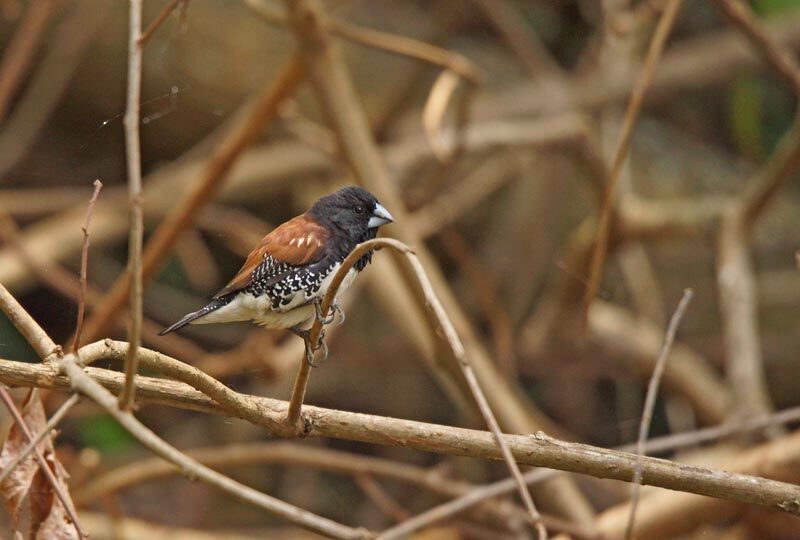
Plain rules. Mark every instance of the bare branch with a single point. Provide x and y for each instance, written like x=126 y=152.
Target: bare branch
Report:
x=534 y=450
x=643 y=81
x=650 y=401
x=782 y=164
x=777 y=57
x=159 y=20
x=433 y=303
x=133 y=157
x=76 y=341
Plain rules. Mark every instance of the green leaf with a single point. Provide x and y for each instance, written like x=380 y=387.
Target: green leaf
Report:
x=745 y=103
x=767 y=8
x=105 y=434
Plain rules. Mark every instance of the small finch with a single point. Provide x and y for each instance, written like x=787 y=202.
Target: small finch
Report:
x=284 y=279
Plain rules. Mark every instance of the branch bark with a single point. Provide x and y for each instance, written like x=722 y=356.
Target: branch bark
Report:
x=536 y=450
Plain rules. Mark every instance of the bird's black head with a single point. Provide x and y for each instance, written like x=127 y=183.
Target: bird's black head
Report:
x=352 y=212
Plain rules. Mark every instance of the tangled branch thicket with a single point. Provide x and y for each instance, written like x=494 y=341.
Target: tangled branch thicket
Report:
x=558 y=174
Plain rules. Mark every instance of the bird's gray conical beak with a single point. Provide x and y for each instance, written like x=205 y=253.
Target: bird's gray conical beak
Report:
x=380 y=216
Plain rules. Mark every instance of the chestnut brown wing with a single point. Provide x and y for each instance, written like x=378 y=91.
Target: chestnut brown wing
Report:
x=297 y=242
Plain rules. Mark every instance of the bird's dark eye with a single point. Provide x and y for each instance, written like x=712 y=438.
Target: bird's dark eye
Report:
x=359 y=209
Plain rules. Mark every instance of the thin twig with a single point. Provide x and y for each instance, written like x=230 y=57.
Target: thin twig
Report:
x=133 y=156
x=168 y=9
x=433 y=303
x=76 y=340
x=264 y=109
x=779 y=58
x=44 y=467
x=650 y=402
x=782 y=164
x=41 y=343
x=643 y=81
x=46 y=430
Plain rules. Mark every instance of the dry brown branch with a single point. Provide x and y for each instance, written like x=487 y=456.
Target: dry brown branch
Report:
x=663 y=515
x=286 y=453
x=636 y=343
x=20 y=51
x=133 y=156
x=503 y=487
x=41 y=343
x=782 y=164
x=457 y=348
x=387 y=504
x=44 y=467
x=81 y=382
x=643 y=81
x=264 y=109
x=714 y=433
x=46 y=430
x=159 y=20
x=453 y=203
x=650 y=402
x=736 y=285
x=529 y=450
x=70 y=371
x=329 y=77
x=778 y=58
x=76 y=341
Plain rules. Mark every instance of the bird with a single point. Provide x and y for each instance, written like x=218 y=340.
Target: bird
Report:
x=284 y=279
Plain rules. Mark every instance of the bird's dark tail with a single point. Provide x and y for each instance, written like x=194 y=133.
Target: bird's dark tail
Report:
x=214 y=305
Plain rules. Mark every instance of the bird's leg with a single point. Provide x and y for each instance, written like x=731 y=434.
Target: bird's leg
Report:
x=305 y=335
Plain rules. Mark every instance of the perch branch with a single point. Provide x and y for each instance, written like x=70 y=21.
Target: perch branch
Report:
x=534 y=450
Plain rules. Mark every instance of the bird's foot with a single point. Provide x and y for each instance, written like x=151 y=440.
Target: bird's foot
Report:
x=335 y=309
x=305 y=335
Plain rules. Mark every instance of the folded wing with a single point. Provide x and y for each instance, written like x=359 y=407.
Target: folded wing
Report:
x=299 y=241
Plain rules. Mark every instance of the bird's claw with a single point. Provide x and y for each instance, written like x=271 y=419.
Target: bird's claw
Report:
x=310 y=353
x=334 y=310
x=305 y=335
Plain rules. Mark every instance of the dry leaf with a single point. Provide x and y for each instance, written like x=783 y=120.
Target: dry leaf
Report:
x=16 y=486
x=48 y=517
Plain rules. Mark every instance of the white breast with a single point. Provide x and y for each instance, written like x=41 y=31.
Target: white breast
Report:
x=246 y=307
